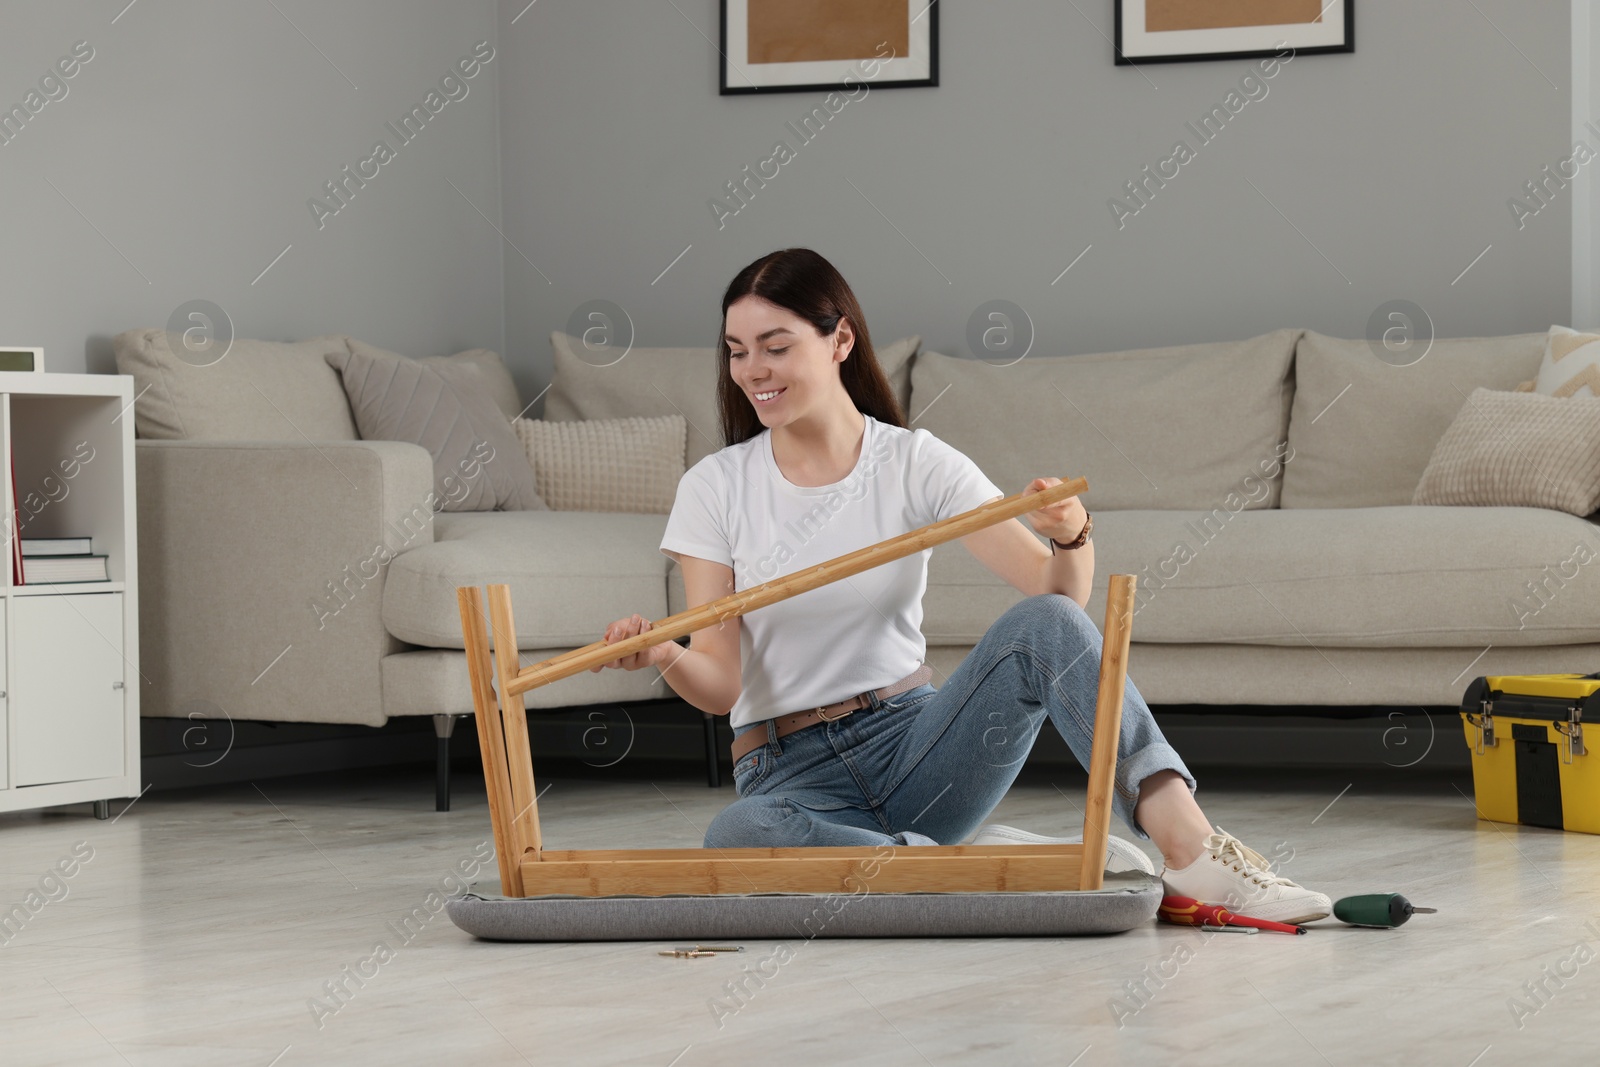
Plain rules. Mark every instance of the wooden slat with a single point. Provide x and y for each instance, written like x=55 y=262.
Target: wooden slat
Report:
x=910 y=869
x=859 y=852
x=519 y=757
x=759 y=596
x=1107 y=724
x=491 y=739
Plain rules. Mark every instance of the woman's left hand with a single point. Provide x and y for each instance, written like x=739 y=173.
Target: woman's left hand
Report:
x=1062 y=520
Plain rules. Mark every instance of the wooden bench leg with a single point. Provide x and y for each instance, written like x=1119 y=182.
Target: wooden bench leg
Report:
x=502 y=737
x=1115 y=638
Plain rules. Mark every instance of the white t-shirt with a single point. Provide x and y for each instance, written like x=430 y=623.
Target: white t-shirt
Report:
x=863 y=632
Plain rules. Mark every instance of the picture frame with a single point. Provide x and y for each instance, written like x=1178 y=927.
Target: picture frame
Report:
x=793 y=46
x=1171 y=31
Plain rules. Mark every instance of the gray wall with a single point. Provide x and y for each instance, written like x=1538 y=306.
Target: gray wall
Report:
x=1585 y=189
x=191 y=143
x=1394 y=163
x=193 y=139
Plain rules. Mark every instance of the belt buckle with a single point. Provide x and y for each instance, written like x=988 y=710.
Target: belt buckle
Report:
x=833 y=718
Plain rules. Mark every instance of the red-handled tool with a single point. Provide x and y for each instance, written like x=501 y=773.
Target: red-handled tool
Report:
x=1186 y=911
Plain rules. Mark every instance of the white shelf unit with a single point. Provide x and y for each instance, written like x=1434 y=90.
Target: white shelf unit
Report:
x=69 y=666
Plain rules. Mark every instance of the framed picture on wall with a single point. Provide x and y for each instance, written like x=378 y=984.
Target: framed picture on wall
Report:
x=792 y=46
x=1172 y=31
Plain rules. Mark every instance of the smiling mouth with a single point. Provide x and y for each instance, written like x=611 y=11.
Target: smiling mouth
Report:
x=770 y=395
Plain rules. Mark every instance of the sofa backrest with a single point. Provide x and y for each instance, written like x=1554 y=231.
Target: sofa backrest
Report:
x=1193 y=426
x=666 y=381
x=261 y=390
x=1362 y=430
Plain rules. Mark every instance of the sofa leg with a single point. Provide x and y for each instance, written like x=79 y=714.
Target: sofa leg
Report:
x=713 y=765
x=443 y=727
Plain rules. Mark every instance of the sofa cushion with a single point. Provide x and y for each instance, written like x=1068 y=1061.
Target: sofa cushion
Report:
x=666 y=381
x=571 y=574
x=258 y=391
x=1230 y=676
x=631 y=464
x=1362 y=430
x=434 y=681
x=447 y=408
x=1353 y=577
x=1518 y=449
x=1152 y=428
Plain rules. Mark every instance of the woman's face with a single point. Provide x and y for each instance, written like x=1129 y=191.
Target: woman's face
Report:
x=773 y=350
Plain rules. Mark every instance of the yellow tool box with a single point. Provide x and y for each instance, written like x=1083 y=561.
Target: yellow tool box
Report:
x=1531 y=759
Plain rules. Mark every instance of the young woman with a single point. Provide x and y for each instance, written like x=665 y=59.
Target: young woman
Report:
x=839 y=736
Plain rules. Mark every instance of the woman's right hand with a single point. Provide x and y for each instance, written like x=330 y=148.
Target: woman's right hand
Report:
x=623 y=629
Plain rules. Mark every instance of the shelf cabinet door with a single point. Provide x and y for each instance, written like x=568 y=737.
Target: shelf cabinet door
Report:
x=66 y=692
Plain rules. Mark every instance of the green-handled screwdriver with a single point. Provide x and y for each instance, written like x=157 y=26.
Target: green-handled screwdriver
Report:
x=1377 y=909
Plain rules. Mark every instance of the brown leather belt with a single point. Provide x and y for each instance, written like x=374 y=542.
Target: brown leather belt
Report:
x=756 y=736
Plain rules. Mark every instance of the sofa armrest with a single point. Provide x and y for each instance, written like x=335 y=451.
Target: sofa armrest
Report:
x=261 y=569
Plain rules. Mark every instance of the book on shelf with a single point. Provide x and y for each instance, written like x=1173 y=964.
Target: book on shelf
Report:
x=34 y=547
x=16 y=529
x=54 y=570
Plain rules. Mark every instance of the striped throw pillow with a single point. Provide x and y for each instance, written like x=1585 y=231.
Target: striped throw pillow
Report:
x=1571 y=364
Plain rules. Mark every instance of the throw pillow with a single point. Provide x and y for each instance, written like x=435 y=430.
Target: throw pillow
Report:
x=258 y=391
x=501 y=384
x=631 y=464
x=1571 y=365
x=478 y=464
x=1362 y=429
x=1510 y=449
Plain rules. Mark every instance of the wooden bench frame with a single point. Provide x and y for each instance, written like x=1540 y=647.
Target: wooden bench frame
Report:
x=528 y=869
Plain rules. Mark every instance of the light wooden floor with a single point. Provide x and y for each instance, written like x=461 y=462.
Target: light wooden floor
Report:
x=206 y=922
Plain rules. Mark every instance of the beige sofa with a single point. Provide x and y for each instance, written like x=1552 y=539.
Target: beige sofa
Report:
x=1260 y=489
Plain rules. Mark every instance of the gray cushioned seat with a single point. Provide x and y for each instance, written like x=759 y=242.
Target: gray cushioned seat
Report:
x=434 y=681
x=1371 y=577
x=571 y=574
x=1127 y=900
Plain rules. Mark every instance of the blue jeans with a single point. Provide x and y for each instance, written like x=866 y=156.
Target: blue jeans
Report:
x=927 y=766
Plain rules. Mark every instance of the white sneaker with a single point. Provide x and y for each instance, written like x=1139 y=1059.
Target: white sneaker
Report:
x=1120 y=855
x=1240 y=879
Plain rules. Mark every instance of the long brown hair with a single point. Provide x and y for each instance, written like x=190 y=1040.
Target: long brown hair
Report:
x=803 y=282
